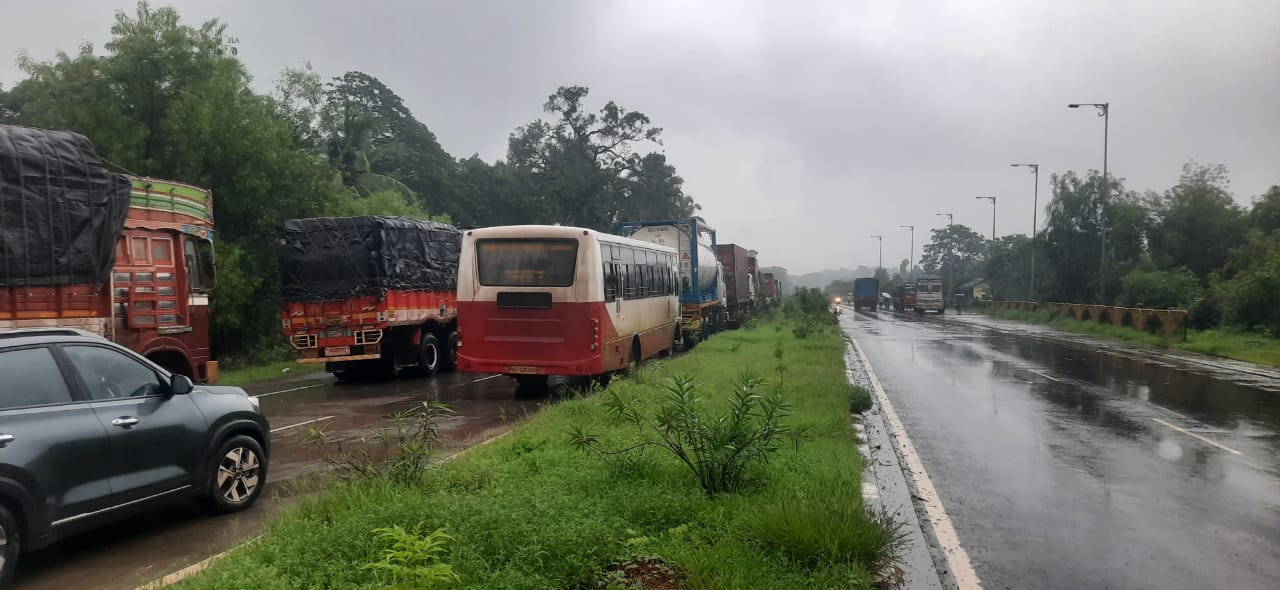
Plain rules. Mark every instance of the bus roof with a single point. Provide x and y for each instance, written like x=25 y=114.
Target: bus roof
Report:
x=562 y=231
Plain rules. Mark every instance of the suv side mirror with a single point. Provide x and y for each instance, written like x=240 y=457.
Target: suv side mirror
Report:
x=180 y=385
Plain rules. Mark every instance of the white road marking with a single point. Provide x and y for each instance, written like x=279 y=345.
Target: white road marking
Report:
x=957 y=558
x=477 y=380
x=1198 y=437
x=1047 y=376
x=283 y=428
x=288 y=390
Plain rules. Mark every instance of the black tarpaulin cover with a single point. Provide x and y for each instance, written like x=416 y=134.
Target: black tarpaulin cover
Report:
x=340 y=257
x=61 y=210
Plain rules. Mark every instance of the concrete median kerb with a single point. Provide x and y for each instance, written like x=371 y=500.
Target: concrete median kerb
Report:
x=893 y=480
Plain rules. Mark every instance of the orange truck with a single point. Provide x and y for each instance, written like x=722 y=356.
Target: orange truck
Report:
x=128 y=258
x=369 y=296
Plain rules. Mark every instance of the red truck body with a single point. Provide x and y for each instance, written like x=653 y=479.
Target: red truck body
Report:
x=156 y=301
x=740 y=297
x=371 y=295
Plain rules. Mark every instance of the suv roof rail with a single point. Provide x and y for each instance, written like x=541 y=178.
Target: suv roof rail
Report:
x=24 y=332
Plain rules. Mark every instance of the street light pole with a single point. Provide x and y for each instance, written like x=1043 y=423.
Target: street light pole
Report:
x=945 y=272
x=911 y=260
x=1104 y=111
x=1035 y=228
x=881 y=262
x=993 y=219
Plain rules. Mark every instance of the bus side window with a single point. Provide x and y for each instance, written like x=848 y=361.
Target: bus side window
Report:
x=610 y=281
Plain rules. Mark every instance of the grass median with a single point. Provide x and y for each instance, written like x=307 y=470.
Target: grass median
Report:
x=1226 y=343
x=536 y=511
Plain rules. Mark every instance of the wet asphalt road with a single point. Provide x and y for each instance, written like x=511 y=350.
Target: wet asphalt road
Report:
x=144 y=548
x=1068 y=464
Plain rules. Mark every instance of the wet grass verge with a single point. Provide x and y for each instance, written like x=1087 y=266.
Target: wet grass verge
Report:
x=534 y=511
x=267 y=371
x=1226 y=343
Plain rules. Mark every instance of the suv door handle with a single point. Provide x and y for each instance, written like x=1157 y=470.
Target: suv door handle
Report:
x=125 y=422
x=5 y=439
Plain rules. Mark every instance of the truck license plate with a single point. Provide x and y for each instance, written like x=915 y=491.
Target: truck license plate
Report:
x=523 y=370
x=337 y=350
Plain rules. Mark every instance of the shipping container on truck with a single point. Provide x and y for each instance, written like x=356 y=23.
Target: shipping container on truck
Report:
x=770 y=287
x=929 y=296
x=740 y=295
x=866 y=293
x=370 y=296
x=128 y=258
x=702 y=285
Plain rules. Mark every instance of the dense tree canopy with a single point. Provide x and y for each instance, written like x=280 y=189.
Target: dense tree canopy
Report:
x=173 y=100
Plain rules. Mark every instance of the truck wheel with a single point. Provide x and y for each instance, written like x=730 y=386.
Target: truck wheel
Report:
x=10 y=546
x=689 y=339
x=429 y=354
x=449 y=363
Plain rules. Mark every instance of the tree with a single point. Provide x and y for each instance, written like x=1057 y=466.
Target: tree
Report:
x=1008 y=268
x=1197 y=222
x=1264 y=216
x=655 y=191
x=1072 y=236
x=1161 y=289
x=1247 y=285
x=582 y=163
x=172 y=100
x=882 y=275
x=956 y=252
x=839 y=288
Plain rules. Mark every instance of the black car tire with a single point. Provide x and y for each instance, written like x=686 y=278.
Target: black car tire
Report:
x=220 y=495
x=12 y=547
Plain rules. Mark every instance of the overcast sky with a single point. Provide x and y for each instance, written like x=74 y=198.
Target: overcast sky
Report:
x=801 y=127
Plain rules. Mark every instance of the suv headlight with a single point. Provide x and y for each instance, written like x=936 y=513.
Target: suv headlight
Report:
x=253 y=401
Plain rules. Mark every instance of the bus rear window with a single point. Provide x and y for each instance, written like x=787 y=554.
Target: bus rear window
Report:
x=526 y=263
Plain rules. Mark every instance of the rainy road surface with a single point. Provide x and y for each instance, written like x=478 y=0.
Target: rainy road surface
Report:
x=132 y=552
x=1067 y=463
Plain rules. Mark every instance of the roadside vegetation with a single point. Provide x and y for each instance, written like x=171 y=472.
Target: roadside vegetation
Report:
x=635 y=486
x=262 y=372
x=1224 y=342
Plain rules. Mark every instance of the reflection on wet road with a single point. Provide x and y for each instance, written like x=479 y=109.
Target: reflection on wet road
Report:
x=135 y=551
x=1064 y=464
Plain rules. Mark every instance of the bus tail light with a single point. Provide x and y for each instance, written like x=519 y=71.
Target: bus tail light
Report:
x=595 y=333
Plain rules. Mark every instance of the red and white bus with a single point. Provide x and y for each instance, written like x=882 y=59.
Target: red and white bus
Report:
x=538 y=300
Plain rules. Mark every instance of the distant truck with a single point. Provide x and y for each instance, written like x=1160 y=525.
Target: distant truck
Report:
x=129 y=258
x=866 y=293
x=368 y=296
x=770 y=287
x=739 y=280
x=703 y=309
x=904 y=297
x=929 y=295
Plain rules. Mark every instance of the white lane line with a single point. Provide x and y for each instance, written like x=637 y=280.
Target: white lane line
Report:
x=1047 y=376
x=477 y=380
x=1198 y=437
x=957 y=558
x=288 y=390
x=283 y=428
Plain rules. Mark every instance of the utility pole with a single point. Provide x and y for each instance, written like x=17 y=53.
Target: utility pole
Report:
x=880 y=263
x=1035 y=228
x=911 y=262
x=1104 y=111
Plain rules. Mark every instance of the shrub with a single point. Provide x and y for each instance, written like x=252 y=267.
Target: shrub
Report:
x=859 y=399
x=1161 y=289
x=413 y=560
x=718 y=448
x=828 y=525
x=400 y=453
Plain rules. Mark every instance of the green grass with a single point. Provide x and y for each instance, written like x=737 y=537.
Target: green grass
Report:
x=1226 y=343
x=274 y=370
x=530 y=511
